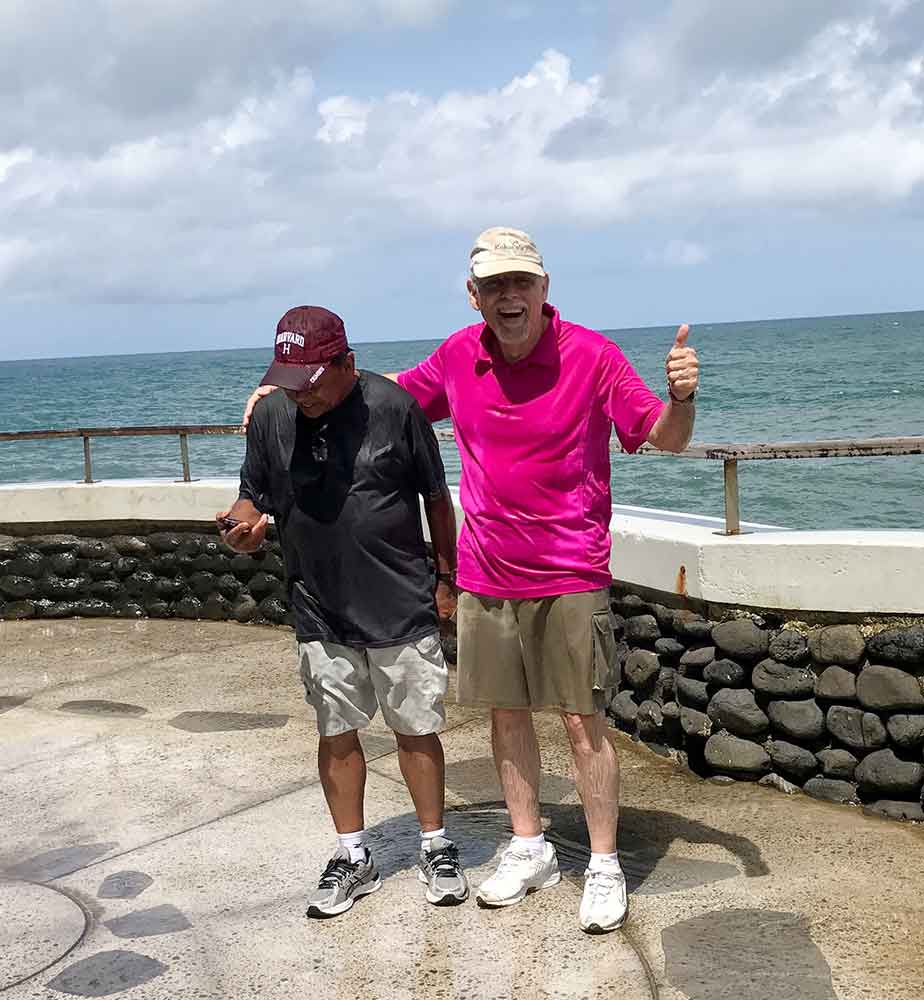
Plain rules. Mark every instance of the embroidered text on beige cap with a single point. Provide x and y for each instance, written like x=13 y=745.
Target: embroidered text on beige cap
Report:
x=499 y=250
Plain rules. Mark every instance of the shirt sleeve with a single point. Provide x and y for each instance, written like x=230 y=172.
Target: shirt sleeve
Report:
x=627 y=400
x=255 y=469
x=427 y=465
x=427 y=384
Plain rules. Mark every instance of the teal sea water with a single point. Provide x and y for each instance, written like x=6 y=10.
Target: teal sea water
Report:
x=779 y=380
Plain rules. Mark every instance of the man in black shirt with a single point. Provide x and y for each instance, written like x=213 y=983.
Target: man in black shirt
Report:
x=340 y=460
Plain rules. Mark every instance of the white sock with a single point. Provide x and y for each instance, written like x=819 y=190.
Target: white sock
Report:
x=426 y=836
x=604 y=862
x=355 y=843
x=535 y=845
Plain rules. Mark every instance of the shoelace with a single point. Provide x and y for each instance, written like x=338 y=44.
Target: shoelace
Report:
x=444 y=861
x=512 y=857
x=338 y=870
x=600 y=885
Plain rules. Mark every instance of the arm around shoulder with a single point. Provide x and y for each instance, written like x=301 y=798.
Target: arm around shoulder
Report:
x=253 y=399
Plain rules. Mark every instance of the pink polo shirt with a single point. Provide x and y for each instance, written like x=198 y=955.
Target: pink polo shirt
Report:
x=533 y=437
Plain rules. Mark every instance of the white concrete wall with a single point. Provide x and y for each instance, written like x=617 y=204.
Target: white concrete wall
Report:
x=769 y=567
x=116 y=500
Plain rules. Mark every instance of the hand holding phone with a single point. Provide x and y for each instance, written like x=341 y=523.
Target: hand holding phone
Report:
x=245 y=533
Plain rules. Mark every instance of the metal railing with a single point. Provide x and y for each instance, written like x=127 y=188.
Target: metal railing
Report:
x=729 y=454
x=183 y=431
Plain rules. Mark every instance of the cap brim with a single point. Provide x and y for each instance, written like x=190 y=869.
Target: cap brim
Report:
x=487 y=269
x=295 y=377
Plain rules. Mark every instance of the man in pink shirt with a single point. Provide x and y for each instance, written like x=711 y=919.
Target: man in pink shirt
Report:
x=532 y=399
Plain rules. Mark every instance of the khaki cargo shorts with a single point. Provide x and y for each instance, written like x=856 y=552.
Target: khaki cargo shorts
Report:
x=549 y=652
x=346 y=685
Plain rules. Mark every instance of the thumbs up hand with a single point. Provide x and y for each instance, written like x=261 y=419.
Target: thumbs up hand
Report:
x=682 y=367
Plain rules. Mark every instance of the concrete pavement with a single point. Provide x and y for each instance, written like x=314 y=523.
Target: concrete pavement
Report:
x=162 y=820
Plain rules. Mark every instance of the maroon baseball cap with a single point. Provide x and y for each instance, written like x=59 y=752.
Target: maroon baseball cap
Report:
x=307 y=339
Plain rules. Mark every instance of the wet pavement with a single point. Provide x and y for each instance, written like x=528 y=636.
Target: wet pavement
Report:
x=162 y=821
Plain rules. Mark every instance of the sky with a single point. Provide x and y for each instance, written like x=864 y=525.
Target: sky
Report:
x=175 y=175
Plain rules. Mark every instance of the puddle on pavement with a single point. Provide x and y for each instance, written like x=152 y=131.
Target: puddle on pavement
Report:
x=746 y=955
x=124 y=885
x=157 y=920
x=226 y=722
x=95 y=707
x=61 y=861
x=106 y=973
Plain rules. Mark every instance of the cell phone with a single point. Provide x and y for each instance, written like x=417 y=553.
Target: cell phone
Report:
x=227 y=523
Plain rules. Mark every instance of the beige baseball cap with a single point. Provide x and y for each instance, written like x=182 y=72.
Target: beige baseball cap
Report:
x=501 y=249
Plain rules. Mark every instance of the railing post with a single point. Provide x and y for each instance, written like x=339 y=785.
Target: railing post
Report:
x=184 y=452
x=732 y=507
x=87 y=461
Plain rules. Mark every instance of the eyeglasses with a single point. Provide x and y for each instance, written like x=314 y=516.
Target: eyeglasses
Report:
x=319 y=451
x=502 y=282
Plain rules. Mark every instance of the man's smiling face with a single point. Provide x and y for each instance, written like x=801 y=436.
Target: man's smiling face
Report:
x=511 y=304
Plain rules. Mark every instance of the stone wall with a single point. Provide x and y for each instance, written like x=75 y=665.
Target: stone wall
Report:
x=836 y=710
x=159 y=574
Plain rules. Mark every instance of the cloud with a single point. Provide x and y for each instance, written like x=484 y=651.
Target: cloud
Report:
x=226 y=176
x=828 y=105
x=694 y=41
x=679 y=253
x=343 y=119
x=77 y=75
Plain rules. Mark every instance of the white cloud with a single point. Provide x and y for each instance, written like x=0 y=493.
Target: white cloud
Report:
x=343 y=119
x=80 y=74
x=13 y=158
x=221 y=175
x=679 y=253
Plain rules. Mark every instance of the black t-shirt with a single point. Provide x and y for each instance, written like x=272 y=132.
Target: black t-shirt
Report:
x=344 y=492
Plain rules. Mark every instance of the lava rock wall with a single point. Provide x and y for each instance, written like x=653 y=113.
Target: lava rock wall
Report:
x=164 y=574
x=837 y=711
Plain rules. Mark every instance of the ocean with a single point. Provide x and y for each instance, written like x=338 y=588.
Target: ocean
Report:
x=773 y=380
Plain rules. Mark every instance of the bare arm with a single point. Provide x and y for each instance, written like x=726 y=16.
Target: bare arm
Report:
x=253 y=399
x=441 y=517
x=674 y=427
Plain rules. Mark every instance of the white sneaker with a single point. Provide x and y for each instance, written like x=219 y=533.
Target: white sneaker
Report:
x=605 y=904
x=519 y=873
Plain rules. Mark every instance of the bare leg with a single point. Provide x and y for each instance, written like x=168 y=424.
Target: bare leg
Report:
x=422 y=764
x=596 y=773
x=342 y=768
x=516 y=756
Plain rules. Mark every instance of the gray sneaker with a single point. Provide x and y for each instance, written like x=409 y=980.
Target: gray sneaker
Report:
x=342 y=882
x=441 y=873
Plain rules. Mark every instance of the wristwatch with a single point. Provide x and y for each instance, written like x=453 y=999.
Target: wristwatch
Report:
x=449 y=578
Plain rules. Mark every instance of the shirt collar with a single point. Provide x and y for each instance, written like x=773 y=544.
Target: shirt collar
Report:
x=543 y=355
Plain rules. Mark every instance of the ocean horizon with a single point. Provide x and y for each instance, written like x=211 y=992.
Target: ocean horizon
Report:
x=611 y=332
x=850 y=376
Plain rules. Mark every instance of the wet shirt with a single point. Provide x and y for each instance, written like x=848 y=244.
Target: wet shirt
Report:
x=344 y=492
x=534 y=437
